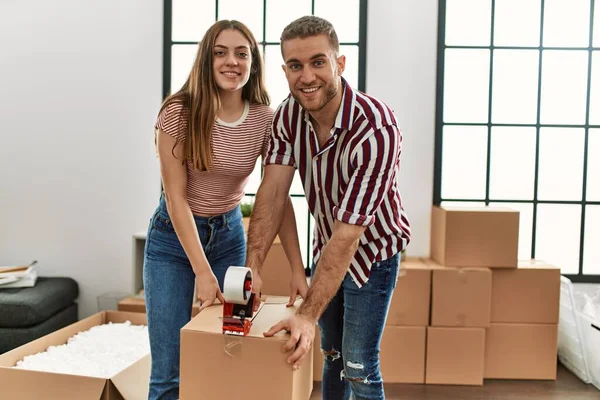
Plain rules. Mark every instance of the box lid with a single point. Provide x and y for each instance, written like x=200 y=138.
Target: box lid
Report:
x=478 y=209
x=210 y=320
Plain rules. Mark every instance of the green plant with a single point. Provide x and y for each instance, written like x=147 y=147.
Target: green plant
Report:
x=247 y=209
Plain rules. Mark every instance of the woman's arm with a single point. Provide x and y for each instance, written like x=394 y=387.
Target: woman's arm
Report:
x=174 y=177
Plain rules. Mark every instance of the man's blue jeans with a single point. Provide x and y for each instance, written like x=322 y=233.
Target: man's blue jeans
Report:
x=169 y=286
x=351 y=329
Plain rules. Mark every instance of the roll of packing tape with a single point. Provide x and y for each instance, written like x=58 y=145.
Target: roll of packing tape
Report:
x=237 y=286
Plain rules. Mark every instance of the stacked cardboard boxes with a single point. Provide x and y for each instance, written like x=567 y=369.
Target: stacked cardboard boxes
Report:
x=491 y=316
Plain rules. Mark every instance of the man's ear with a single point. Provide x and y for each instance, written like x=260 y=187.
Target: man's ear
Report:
x=341 y=64
x=284 y=68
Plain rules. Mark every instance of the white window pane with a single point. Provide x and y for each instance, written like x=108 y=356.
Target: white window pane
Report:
x=464 y=155
x=595 y=87
x=301 y=212
x=566 y=23
x=351 y=71
x=525 y=226
x=591 y=250
x=281 y=13
x=254 y=179
x=564 y=87
x=466 y=85
x=248 y=12
x=593 y=166
x=517 y=23
x=558 y=234
x=515 y=86
x=275 y=80
x=596 y=39
x=512 y=163
x=297 y=186
x=468 y=22
x=343 y=14
x=191 y=19
x=561 y=164
x=182 y=60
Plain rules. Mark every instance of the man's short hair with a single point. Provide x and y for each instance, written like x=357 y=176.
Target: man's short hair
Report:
x=311 y=25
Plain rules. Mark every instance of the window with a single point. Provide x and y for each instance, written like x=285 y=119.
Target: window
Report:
x=186 y=21
x=518 y=121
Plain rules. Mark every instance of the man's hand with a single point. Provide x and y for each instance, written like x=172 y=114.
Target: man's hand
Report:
x=298 y=286
x=302 y=334
x=207 y=288
x=256 y=288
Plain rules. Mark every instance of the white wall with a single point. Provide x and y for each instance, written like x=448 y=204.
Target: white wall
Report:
x=81 y=85
x=401 y=70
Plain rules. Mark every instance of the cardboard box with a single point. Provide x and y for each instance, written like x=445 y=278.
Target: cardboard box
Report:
x=521 y=351
x=411 y=300
x=218 y=366
x=475 y=236
x=527 y=294
x=136 y=304
x=402 y=355
x=129 y=384
x=276 y=272
x=455 y=356
x=461 y=297
x=317 y=357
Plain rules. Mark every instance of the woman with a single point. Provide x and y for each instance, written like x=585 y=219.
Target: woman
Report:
x=209 y=135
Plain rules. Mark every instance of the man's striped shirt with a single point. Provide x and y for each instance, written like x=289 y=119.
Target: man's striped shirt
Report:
x=353 y=178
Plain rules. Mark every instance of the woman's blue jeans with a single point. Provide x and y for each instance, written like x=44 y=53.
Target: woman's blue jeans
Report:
x=351 y=329
x=169 y=285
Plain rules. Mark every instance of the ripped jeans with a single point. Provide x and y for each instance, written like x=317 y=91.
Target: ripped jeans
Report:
x=351 y=329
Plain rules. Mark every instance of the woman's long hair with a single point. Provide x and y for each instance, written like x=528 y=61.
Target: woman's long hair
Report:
x=199 y=95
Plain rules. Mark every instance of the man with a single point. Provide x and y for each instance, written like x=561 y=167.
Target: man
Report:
x=346 y=147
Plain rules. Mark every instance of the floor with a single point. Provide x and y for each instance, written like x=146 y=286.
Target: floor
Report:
x=566 y=386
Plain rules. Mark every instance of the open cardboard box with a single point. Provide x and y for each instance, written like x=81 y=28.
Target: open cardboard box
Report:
x=216 y=366
x=129 y=384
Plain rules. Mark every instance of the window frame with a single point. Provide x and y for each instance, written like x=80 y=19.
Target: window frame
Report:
x=440 y=124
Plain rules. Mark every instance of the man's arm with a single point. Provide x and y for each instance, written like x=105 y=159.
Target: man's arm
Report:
x=267 y=213
x=331 y=269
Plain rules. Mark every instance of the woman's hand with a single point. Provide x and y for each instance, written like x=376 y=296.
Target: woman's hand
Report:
x=298 y=286
x=207 y=289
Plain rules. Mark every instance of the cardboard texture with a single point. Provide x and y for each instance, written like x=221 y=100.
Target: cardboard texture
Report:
x=521 y=351
x=217 y=366
x=129 y=384
x=455 y=356
x=402 y=355
x=411 y=300
x=461 y=297
x=475 y=236
x=528 y=294
x=134 y=304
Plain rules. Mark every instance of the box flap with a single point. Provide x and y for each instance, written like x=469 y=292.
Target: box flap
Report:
x=22 y=384
x=535 y=264
x=211 y=319
x=133 y=381
x=122 y=316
